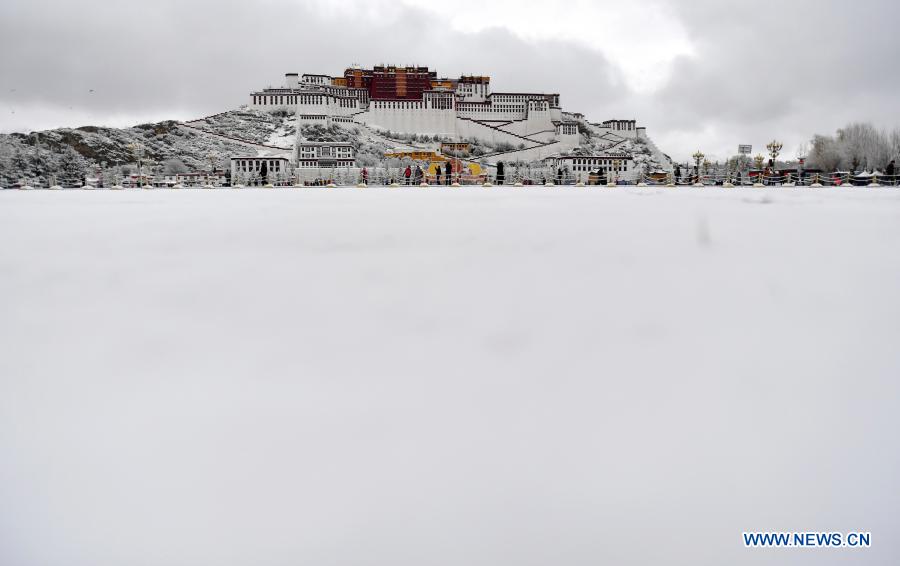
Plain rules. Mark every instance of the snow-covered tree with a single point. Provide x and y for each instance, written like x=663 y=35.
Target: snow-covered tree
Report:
x=72 y=167
x=174 y=167
x=739 y=163
x=864 y=146
x=895 y=144
x=825 y=154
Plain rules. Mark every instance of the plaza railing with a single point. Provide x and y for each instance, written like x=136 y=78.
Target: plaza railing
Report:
x=836 y=179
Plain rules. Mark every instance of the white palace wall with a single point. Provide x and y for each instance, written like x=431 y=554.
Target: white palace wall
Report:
x=471 y=129
x=409 y=117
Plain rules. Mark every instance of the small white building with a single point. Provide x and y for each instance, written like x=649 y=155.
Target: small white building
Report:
x=322 y=155
x=620 y=163
x=620 y=125
x=312 y=79
x=249 y=169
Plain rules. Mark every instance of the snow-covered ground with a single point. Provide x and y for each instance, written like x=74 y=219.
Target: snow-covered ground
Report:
x=473 y=376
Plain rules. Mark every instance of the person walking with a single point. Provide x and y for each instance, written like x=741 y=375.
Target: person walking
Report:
x=890 y=171
x=500 y=175
x=437 y=174
x=419 y=175
x=448 y=178
x=365 y=176
x=408 y=174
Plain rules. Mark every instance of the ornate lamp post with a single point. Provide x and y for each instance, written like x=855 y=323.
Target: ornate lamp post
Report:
x=211 y=157
x=138 y=150
x=774 y=148
x=152 y=166
x=698 y=157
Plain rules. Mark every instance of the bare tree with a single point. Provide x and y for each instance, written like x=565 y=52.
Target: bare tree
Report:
x=857 y=145
x=174 y=167
x=826 y=154
x=739 y=163
x=863 y=145
x=895 y=143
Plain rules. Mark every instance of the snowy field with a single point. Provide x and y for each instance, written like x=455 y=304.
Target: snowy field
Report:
x=476 y=377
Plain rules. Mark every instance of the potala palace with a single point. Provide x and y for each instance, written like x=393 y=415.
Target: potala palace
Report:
x=530 y=127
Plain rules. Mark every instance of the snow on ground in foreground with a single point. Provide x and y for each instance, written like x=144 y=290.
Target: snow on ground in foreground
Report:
x=474 y=376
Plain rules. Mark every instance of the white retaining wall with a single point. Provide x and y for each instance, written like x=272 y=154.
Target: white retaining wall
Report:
x=413 y=119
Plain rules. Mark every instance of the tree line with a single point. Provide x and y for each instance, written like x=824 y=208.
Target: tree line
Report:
x=855 y=147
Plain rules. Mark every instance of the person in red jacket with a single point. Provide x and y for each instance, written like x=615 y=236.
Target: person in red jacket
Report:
x=407 y=174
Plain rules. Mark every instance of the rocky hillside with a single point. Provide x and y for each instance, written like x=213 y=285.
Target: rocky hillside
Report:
x=68 y=155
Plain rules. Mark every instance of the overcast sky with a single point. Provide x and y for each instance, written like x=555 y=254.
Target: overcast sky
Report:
x=707 y=74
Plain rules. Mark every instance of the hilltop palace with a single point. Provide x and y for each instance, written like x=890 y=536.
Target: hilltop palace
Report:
x=414 y=100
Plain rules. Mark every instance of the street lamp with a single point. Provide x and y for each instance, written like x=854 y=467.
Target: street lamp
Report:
x=212 y=168
x=774 y=148
x=698 y=157
x=138 y=150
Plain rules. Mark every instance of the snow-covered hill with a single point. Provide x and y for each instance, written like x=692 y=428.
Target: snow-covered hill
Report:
x=72 y=153
x=67 y=155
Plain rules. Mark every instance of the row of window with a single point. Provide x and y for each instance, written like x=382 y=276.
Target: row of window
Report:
x=278 y=166
x=516 y=97
x=247 y=165
x=441 y=104
x=338 y=152
x=314 y=163
x=619 y=126
x=594 y=160
x=474 y=106
x=397 y=104
x=342 y=92
x=306 y=155
x=294 y=99
x=605 y=169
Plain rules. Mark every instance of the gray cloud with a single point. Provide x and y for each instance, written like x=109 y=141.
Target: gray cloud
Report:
x=782 y=69
x=210 y=56
x=770 y=69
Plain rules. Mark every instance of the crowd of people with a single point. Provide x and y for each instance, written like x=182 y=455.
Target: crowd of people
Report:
x=415 y=174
